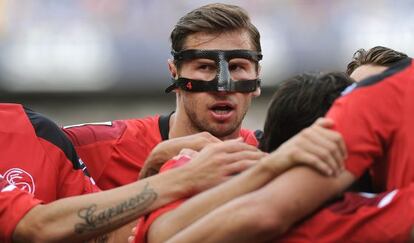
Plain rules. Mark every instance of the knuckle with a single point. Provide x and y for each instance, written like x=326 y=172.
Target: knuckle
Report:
x=204 y=134
x=337 y=136
x=325 y=155
x=307 y=132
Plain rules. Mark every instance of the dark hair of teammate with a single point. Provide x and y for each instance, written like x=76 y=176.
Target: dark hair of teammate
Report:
x=378 y=55
x=298 y=102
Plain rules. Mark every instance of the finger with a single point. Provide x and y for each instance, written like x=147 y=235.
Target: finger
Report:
x=147 y=172
x=232 y=146
x=242 y=155
x=131 y=239
x=320 y=152
x=324 y=122
x=328 y=123
x=336 y=138
x=189 y=152
x=322 y=138
x=314 y=162
x=134 y=230
x=210 y=137
x=240 y=166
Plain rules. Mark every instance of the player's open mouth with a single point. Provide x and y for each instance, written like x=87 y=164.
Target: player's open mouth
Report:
x=222 y=111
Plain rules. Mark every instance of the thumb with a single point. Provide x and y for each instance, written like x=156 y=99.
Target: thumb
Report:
x=324 y=122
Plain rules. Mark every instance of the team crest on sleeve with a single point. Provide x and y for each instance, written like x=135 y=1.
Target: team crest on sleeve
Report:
x=20 y=179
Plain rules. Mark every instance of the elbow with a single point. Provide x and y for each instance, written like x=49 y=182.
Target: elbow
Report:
x=273 y=227
x=262 y=223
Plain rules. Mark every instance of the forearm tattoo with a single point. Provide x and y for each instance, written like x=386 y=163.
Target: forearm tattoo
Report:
x=94 y=220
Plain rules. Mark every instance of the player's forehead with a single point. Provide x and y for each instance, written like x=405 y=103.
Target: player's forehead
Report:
x=232 y=40
x=367 y=70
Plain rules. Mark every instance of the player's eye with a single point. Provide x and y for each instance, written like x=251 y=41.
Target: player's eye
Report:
x=206 y=67
x=235 y=67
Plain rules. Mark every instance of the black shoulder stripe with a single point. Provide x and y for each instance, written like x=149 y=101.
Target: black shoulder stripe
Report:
x=399 y=66
x=164 y=126
x=48 y=130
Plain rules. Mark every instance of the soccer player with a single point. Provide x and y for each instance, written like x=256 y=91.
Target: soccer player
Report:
x=39 y=160
x=374 y=117
x=215 y=74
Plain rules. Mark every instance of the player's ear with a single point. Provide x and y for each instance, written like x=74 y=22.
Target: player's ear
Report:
x=172 y=68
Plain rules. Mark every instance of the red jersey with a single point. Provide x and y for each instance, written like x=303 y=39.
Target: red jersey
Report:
x=376 y=121
x=386 y=217
x=37 y=157
x=115 y=152
x=15 y=204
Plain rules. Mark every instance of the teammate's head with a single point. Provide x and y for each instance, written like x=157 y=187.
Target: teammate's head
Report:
x=298 y=102
x=221 y=28
x=370 y=62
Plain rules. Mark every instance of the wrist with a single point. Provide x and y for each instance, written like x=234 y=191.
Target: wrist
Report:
x=186 y=184
x=275 y=163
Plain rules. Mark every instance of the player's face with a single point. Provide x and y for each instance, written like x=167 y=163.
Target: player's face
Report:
x=220 y=113
x=365 y=71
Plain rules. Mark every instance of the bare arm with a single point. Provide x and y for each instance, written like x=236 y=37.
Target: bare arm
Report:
x=269 y=212
x=83 y=217
x=298 y=150
x=172 y=222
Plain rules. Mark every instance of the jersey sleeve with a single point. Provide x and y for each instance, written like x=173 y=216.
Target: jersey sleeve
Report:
x=95 y=143
x=115 y=152
x=70 y=181
x=144 y=223
x=360 y=217
x=365 y=122
x=72 y=177
x=14 y=204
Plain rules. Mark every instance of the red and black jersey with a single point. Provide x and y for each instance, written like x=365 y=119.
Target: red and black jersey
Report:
x=359 y=217
x=37 y=158
x=376 y=120
x=115 y=152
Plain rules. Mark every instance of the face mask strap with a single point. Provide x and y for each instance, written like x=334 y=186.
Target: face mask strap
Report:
x=222 y=82
x=192 y=85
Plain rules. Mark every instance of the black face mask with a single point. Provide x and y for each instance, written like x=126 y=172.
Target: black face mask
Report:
x=222 y=82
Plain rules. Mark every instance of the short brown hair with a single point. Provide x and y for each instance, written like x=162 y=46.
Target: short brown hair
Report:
x=379 y=55
x=213 y=18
